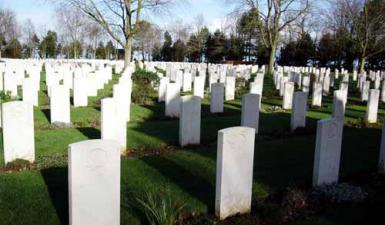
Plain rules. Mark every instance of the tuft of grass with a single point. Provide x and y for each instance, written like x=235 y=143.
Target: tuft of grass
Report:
x=160 y=207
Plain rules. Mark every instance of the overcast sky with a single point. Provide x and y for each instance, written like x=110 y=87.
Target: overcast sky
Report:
x=41 y=12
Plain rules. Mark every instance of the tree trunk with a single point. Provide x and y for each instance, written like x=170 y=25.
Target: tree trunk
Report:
x=271 y=59
x=362 y=64
x=75 y=53
x=127 y=52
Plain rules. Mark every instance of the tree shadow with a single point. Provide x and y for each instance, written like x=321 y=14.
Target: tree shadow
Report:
x=71 y=100
x=194 y=185
x=90 y=132
x=98 y=108
x=56 y=180
x=47 y=114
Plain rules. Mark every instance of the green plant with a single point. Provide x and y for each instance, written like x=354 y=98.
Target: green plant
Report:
x=159 y=207
x=294 y=203
x=143 y=86
x=5 y=96
x=241 y=87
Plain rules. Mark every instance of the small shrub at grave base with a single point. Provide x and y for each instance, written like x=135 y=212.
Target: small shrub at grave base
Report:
x=141 y=152
x=362 y=123
x=162 y=71
x=270 y=213
x=143 y=91
x=203 y=219
x=338 y=193
x=5 y=96
x=19 y=165
x=247 y=219
x=159 y=206
x=294 y=203
x=241 y=87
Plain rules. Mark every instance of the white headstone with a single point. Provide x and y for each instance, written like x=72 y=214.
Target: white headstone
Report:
x=338 y=109
x=94 y=182
x=80 y=89
x=327 y=151
x=317 y=94
x=306 y=84
x=199 y=86
x=217 y=98
x=60 y=104
x=30 y=93
x=298 y=114
x=190 y=121
x=372 y=106
x=365 y=91
x=187 y=79
x=288 y=95
x=230 y=88
x=234 y=176
x=113 y=126
x=18 y=131
x=162 y=88
x=250 y=111
x=172 y=100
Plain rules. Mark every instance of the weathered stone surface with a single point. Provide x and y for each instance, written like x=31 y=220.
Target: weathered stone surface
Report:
x=18 y=131
x=80 y=89
x=173 y=100
x=317 y=94
x=306 y=84
x=190 y=121
x=372 y=106
x=288 y=95
x=162 y=88
x=365 y=91
x=250 y=111
x=60 y=104
x=234 y=176
x=327 y=151
x=199 y=86
x=338 y=109
x=187 y=80
x=30 y=93
x=113 y=126
x=230 y=88
x=298 y=114
x=217 y=98
x=94 y=182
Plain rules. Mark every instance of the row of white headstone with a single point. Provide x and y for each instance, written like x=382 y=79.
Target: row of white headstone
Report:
x=18 y=119
x=94 y=172
x=286 y=85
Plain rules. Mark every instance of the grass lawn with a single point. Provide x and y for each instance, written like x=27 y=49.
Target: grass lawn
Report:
x=40 y=195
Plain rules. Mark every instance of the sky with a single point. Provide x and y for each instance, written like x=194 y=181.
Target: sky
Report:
x=41 y=12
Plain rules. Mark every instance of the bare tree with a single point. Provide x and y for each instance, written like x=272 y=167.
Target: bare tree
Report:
x=8 y=26
x=95 y=33
x=72 y=25
x=29 y=32
x=368 y=20
x=274 y=17
x=119 y=18
x=180 y=30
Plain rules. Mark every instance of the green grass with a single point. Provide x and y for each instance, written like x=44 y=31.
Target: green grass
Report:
x=40 y=196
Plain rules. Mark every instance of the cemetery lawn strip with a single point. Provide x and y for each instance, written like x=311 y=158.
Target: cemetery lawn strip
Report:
x=40 y=196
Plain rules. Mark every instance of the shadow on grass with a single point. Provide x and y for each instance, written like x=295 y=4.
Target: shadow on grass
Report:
x=192 y=184
x=47 y=114
x=56 y=180
x=90 y=132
